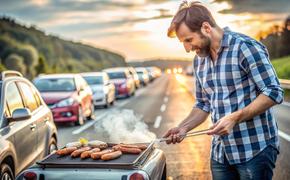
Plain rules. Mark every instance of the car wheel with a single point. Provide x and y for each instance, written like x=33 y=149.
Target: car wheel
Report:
x=6 y=172
x=52 y=145
x=81 y=118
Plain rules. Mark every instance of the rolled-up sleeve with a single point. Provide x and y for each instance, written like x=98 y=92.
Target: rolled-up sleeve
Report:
x=201 y=99
x=254 y=59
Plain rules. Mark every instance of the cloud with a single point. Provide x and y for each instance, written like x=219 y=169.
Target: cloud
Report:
x=257 y=6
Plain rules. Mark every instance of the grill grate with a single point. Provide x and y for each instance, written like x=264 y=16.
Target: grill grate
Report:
x=126 y=161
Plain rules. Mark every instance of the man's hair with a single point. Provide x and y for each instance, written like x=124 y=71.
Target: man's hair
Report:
x=193 y=15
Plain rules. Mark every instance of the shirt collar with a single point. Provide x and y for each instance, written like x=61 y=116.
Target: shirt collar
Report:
x=226 y=39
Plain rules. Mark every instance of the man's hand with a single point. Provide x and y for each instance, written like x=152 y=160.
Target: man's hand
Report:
x=175 y=135
x=225 y=125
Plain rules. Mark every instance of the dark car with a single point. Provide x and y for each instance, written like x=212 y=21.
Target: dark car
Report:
x=68 y=96
x=27 y=131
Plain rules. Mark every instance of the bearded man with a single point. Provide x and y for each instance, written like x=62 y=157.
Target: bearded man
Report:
x=235 y=82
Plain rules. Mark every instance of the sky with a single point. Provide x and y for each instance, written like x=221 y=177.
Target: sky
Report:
x=137 y=28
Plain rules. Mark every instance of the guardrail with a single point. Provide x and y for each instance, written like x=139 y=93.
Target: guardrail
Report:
x=285 y=83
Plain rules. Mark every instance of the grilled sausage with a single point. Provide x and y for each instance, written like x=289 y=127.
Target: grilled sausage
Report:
x=140 y=146
x=129 y=150
x=87 y=154
x=112 y=155
x=78 y=152
x=97 y=155
x=66 y=151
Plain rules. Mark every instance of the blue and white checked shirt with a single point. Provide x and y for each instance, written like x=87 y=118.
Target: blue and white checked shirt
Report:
x=241 y=72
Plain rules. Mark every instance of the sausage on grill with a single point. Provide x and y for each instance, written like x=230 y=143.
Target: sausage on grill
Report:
x=111 y=156
x=87 y=154
x=97 y=155
x=78 y=152
x=66 y=151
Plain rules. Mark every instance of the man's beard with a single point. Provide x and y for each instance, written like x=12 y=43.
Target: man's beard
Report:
x=204 y=49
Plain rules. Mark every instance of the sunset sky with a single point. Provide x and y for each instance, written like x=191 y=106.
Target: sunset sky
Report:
x=137 y=28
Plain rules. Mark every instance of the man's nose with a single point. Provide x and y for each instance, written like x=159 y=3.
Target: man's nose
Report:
x=187 y=47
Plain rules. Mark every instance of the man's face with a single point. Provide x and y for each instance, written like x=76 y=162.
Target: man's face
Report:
x=194 y=41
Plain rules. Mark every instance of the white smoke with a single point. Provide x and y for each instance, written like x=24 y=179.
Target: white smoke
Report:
x=123 y=126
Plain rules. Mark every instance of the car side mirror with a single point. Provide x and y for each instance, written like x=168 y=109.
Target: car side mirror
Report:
x=21 y=114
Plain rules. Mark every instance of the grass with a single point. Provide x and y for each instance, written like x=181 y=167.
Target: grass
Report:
x=282 y=67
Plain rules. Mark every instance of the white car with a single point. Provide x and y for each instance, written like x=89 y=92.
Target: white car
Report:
x=103 y=89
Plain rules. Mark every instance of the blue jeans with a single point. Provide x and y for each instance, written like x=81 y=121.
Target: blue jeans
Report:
x=260 y=167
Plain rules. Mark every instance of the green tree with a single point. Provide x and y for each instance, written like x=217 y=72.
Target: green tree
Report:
x=2 y=67
x=15 y=62
x=30 y=57
x=42 y=66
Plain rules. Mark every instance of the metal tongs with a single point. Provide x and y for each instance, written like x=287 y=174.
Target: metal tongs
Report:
x=189 y=134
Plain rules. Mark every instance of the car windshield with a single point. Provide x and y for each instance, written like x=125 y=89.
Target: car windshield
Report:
x=55 y=84
x=117 y=75
x=91 y=80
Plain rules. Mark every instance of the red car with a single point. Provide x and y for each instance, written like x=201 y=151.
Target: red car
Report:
x=123 y=81
x=68 y=96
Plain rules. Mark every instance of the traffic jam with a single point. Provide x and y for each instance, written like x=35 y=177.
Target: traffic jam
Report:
x=35 y=107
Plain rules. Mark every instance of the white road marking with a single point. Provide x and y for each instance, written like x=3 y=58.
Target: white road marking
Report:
x=89 y=124
x=163 y=108
x=157 y=122
x=165 y=99
x=284 y=135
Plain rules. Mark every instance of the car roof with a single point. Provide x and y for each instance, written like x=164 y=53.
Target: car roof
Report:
x=118 y=69
x=93 y=73
x=64 y=75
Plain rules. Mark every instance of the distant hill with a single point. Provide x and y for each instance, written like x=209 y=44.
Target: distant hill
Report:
x=162 y=63
x=31 y=51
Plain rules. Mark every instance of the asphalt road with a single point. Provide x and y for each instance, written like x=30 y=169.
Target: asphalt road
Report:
x=156 y=108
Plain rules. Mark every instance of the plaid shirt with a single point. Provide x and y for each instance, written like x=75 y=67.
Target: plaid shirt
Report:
x=241 y=72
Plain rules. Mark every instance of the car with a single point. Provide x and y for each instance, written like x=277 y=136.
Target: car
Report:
x=103 y=89
x=143 y=75
x=68 y=96
x=123 y=81
x=133 y=73
x=154 y=72
x=28 y=132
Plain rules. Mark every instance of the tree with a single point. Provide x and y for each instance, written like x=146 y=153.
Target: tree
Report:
x=2 y=67
x=15 y=62
x=42 y=66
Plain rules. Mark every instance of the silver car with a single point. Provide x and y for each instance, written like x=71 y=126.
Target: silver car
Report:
x=103 y=89
x=27 y=130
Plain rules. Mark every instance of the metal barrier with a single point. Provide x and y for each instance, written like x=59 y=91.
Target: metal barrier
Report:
x=285 y=83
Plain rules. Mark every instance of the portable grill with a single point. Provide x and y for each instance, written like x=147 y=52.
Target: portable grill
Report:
x=126 y=161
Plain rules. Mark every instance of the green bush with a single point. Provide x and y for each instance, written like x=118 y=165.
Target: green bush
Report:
x=282 y=67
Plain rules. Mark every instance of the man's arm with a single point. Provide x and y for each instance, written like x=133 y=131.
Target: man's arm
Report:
x=257 y=107
x=195 y=118
x=197 y=115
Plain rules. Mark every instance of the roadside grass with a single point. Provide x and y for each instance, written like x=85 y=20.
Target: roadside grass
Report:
x=282 y=67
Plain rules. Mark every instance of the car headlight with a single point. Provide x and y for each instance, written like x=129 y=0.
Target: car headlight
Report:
x=65 y=102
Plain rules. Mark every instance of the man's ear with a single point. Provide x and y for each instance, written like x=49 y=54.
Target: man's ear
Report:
x=205 y=28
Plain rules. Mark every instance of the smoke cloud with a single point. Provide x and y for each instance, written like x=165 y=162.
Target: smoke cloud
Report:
x=123 y=126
